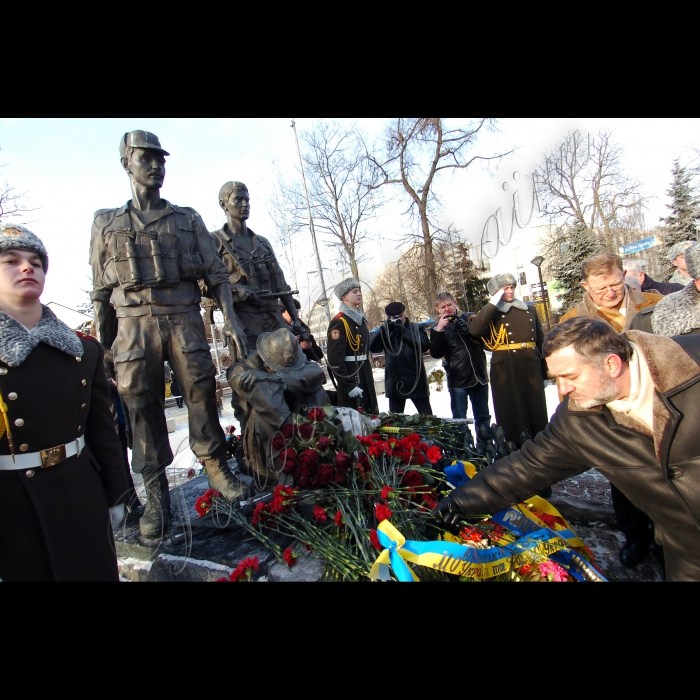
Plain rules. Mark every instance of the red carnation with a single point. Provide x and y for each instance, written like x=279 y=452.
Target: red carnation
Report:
x=412 y=478
x=317 y=414
x=548 y=520
x=320 y=513
x=382 y=512
x=231 y=429
x=290 y=557
x=374 y=539
x=289 y=430
x=324 y=443
x=434 y=454
x=385 y=492
x=338 y=519
x=278 y=442
x=306 y=430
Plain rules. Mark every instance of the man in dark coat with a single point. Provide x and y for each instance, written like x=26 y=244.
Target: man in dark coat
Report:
x=512 y=331
x=463 y=360
x=306 y=341
x=348 y=350
x=403 y=344
x=62 y=478
x=633 y=271
x=630 y=411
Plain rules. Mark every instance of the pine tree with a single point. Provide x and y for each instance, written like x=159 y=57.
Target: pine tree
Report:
x=681 y=224
x=463 y=278
x=574 y=246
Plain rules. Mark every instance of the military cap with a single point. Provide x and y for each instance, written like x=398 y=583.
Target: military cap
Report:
x=280 y=351
x=499 y=281
x=678 y=249
x=692 y=260
x=140 y=139
x=394 y=309
x=345 y=286
x=16 y=237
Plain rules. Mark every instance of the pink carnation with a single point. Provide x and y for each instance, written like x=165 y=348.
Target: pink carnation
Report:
x=553 y=571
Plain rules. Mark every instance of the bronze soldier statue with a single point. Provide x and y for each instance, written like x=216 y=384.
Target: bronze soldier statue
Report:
x=147 y=259
x=257 y=283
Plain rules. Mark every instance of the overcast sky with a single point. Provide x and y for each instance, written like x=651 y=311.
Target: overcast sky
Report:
x=69 y=168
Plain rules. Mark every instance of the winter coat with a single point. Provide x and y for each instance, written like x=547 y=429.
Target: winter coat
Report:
x=517 y=373
x=355 y=371
x=54 y=521
x=313 y=352
x=404 y=373
x=638 y=300
x=463 y=357
x=659 y=472
x=649 y=285
x=678 y=313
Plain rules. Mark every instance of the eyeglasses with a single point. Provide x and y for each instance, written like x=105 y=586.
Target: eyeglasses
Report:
x=610 y=288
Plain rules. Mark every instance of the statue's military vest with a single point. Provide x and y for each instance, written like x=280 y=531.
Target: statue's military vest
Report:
x=160 y=257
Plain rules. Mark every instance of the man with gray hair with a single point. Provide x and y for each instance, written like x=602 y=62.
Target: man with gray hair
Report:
x=636 y=278
x=679 y=313
x=512 y=331
x=676 y=256
x=630 y=412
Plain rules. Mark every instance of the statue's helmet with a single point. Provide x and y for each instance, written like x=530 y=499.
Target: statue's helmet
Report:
x=280 y=350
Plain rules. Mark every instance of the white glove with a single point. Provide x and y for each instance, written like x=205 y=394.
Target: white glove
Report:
x=116 y=515
x=497 y=296
x=355 y=392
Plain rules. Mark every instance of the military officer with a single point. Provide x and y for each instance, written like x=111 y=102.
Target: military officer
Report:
x=147 y=259
x=62 y=476
x=512 y=331
x=348 y=350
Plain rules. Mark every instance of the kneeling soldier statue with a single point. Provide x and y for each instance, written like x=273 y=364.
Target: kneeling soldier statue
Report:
x=147 y=259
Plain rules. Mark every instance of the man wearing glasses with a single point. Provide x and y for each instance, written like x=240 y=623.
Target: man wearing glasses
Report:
x=610 y=299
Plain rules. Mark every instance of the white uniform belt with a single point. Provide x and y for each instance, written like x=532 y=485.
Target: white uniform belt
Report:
x=350 y=358
x=45 y=458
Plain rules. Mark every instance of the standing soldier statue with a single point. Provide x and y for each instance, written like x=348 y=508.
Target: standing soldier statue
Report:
x=257 y=283
x=148 y=257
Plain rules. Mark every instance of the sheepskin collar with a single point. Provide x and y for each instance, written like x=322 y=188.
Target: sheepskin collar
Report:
x=355 y=314
x=16 y=342
x=504 y=306
x=677 y=313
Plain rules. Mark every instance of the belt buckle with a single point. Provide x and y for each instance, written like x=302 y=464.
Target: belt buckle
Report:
x=523 y=345
x=52 y=456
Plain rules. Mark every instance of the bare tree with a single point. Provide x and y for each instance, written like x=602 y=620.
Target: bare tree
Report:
x=582 y=182
x=341 y=189
x=415 y=152
x=11 y=201
x=287 y=230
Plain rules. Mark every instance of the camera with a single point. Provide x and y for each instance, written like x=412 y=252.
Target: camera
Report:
x=395 y=321
x=460 y=325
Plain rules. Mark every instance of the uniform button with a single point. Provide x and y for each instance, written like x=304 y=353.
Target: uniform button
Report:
x=84 y=405
x=12 y=396
x=78 y=359
x=79 y=427
x=673 y=473
x=19 y=422
x=23 y=447
x=29 y=473
x=3 y=370
x=84 y=382
x=507 y=324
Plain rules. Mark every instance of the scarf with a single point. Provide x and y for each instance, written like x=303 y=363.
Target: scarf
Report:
x=16 y=342
x=504 y=306
x=355 y=314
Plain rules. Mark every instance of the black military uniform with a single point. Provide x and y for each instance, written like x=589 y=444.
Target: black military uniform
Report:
x=146 y=267
x=518 y=370
x=54 y=515
x=348 y=358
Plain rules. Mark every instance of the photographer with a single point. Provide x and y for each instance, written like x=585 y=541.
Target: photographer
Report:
x=306 y=341
x=403 y=343
x=463 y=359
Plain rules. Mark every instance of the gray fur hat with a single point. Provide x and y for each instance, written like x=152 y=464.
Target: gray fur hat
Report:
x=343 y=287
x=498 y=281
x=16 y=237
x=692 y=260
x=675 y=250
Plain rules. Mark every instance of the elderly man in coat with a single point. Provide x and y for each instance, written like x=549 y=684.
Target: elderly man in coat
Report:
x=630 y=411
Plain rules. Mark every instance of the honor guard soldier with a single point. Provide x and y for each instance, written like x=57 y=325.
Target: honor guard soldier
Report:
x=148 y=257
x=511 y=330
x=348 y=350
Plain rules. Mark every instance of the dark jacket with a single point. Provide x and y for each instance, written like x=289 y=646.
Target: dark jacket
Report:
x=313 y=352
x=463 y=356
x=404 y=371
x=54 y=522
x=659 y=472
x=664 y=288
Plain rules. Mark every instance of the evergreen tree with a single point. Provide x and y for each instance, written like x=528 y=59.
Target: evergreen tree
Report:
x=573 y=245
x=462 y=277
x=680 y=225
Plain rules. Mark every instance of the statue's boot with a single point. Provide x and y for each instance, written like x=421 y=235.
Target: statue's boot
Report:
x=156 y=517
x=221 y=479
